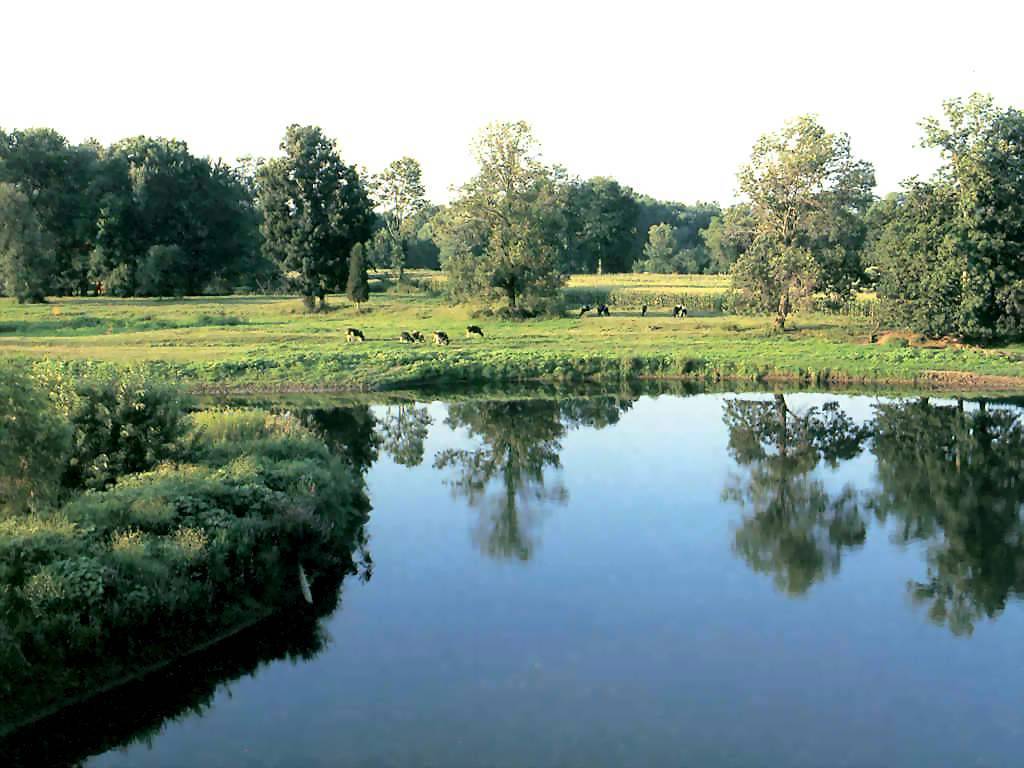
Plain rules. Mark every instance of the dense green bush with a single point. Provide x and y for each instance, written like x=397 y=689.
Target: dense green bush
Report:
x=123 y=423
x=143 y=569
x=35 y=442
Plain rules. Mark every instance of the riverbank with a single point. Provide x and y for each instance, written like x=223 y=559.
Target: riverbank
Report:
x=132 y=532
x=267 y=345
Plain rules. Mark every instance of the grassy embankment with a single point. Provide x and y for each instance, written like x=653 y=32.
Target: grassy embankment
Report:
x=268 y=344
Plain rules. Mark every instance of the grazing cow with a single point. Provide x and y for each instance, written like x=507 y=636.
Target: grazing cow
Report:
x=354 y=334
x=441 y=338
x=474 y=330
x=679 y=311
x=418 y=337
x=584 y=309
x=643 y=310
x=602 y=311
x=406 y=338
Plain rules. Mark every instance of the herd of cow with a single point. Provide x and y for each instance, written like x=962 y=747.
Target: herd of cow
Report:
x=406 y=337
x=441 y=338
x=678 y=310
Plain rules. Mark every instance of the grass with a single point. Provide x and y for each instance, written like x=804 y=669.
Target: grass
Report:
x=246 y=343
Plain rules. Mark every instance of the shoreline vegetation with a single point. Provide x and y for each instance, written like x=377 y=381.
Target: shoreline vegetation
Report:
x=135 y=531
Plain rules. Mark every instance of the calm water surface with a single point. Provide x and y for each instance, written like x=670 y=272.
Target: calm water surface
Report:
x=715 y=580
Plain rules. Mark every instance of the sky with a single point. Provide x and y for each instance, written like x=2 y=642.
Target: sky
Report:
x=665 y=97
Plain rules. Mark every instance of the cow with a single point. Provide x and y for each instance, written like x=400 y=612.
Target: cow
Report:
x=474 y=330
x=441 y=338
x=354 y=334
x=643 y=310
x=406 y=338
x=584 y=309
x=418 y=337
x=602 y=311
x=679 y=311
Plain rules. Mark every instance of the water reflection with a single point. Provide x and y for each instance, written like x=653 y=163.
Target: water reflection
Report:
x=403 y=430
x=796 y=530
x=954 y=478
x=504 y=478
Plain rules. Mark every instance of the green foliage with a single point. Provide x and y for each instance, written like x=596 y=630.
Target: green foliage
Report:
x=37 y=443
x=728 y=236
x=120 y=424
x=808 y=195
x=601 y=217
x=949 y=251
x=315 y=209
x=65 y=189
x=503 y=236
x=358 y=287
x=159 y=273
x=164 y=560
x=26 y=253
x=400 y=197
x=662 y=254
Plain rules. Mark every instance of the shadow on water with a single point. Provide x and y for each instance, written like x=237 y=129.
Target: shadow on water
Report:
x=139 y=710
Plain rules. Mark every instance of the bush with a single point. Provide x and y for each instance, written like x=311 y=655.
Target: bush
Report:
x=36 y=440
x=162 y=560
x=121 y=424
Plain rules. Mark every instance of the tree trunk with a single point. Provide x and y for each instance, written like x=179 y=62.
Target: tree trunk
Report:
x=780 y=319
x=309 y=302
x=511 y=291
x=323 y=303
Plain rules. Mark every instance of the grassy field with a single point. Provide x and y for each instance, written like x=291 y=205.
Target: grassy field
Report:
x=246 y=343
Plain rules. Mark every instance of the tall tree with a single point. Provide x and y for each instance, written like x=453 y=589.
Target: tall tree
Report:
x=400 y=197
x=808 y=194
x=952 y=251
x=26 y=251
x=728 y=236
x=59 y=181
x=601 y=218
x=315 y=209
x=358 y=287
x=504 y=234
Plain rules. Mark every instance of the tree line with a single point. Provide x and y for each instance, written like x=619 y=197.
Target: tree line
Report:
x=145 y=217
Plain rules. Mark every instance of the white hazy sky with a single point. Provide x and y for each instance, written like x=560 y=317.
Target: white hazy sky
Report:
x=666 y=97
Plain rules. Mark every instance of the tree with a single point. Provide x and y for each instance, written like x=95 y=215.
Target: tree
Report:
x=504 y=234
x=400 y=197
x=60 y=182
x=797 y=530
x=963 y=230
x=660 y=253
x=29 y=475
x=155 y=193
x=728 y=236
x=358 y=288
x=808 y=195
x=315 y=209
x=601 y=220
x=26 y=251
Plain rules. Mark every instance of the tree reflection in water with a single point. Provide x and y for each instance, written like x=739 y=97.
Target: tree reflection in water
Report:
x=954 y=478
x=504 y=478
x=795 y=530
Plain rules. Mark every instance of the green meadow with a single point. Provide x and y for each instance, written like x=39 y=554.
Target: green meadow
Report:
x=268 y=343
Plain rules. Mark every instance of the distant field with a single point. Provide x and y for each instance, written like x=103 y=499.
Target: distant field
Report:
x=249 y=343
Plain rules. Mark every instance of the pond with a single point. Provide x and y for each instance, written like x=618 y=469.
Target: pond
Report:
x=711 y=580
